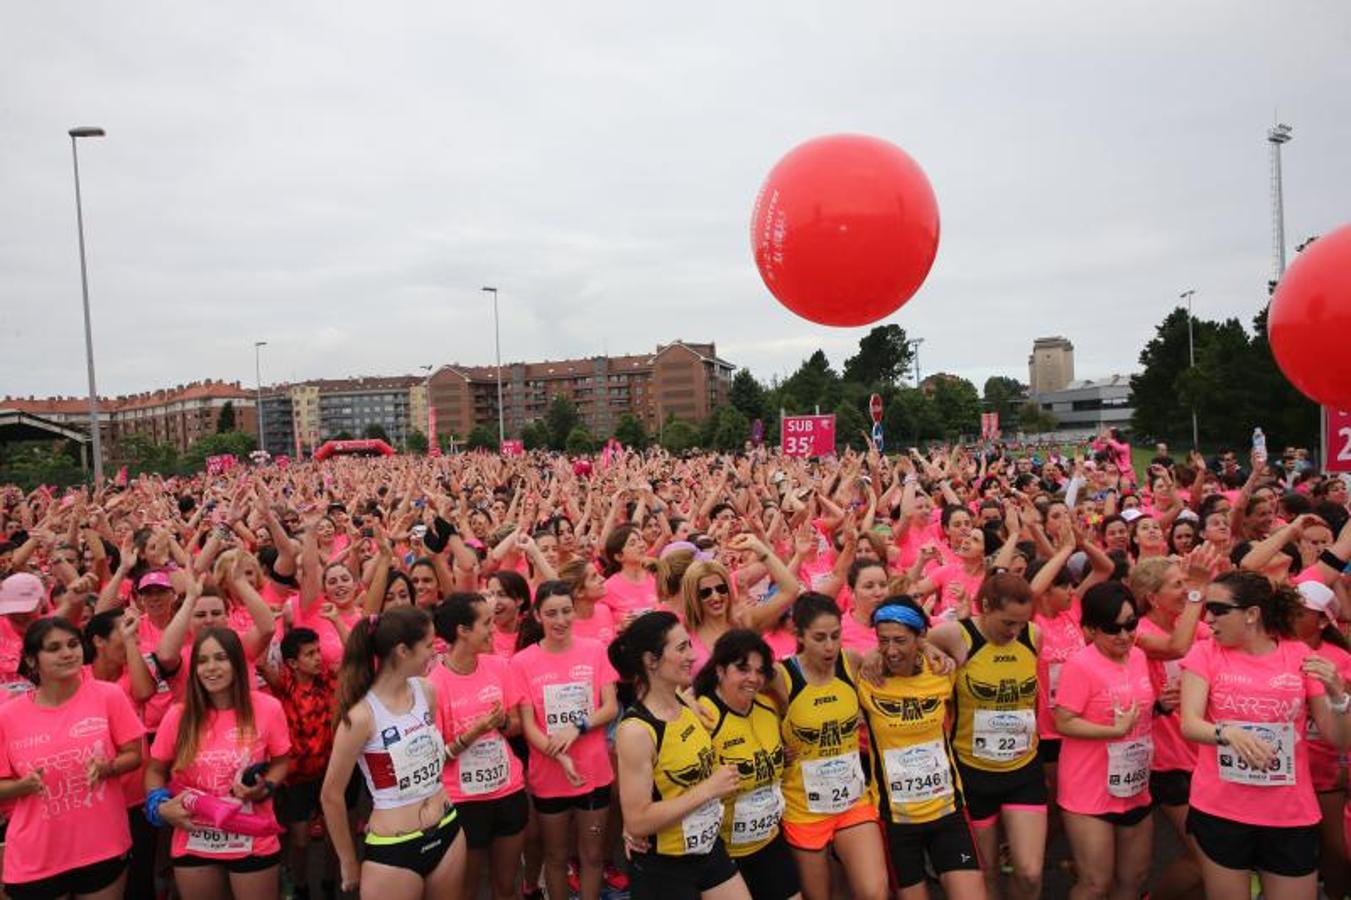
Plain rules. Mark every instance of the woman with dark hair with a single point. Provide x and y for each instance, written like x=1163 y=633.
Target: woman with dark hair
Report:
x=1247 y=696
x=950 y=590
x=1147 y=538
x=206 y=743
x=630 y=589
x=1114 y=533
x=1316 y=625
x=1183 y=536
x=387 y=724
x=919 y=792
x=478 y=711
x=745 y=734
x=1103 y=711
x=65 y=748
x=569 y=699
x=671 y=784
x=995 y=732
x=827 y=800
x=508 y=595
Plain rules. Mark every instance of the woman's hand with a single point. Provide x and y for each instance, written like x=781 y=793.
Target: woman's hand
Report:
x=173 y=812
x=722 y=782
x=560 y=741
x=1324 y=671
x=349 y=872
x=1124 y=718
x=1251 y=749
x=939 y=662
x=32 y=783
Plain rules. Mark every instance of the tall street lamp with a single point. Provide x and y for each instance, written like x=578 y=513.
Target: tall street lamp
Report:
x=497 y=340
x=258 y=380
x=75 y=134
x=431 y=413
x=1191 y=362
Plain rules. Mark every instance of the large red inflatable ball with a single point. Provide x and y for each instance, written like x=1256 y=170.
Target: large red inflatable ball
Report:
x=845 y=229
x=1309 y=324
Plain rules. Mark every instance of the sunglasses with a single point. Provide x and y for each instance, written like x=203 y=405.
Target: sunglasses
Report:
x=1115 y=628
x=1220 y=609
x=706 y=592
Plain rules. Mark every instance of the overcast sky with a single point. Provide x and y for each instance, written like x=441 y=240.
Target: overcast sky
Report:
x=339 y=179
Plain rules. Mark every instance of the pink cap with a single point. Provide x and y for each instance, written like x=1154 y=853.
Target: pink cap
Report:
x=20 y=593
x=156 y=579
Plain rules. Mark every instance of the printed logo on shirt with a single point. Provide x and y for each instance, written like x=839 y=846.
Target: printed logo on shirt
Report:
x=1257 y=709
x=390 y=736
x=908 y=709
x=1287 y=681
x=580 y=672
x=29 y=741
x=489 y=694
x=89 y=726
x=830 y=736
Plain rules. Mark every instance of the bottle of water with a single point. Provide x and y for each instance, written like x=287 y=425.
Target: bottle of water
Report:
x=1259 y=445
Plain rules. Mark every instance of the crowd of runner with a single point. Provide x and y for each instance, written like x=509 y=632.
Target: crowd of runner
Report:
x=716 y=676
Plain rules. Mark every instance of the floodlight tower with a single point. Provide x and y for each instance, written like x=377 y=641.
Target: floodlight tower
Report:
x=1277 y=135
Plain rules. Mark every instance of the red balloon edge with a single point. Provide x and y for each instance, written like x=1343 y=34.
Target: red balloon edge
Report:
x=1310 y=319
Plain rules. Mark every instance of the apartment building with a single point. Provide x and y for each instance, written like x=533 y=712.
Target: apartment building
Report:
x=311 y=412
x=176 y=416
x=687 y=380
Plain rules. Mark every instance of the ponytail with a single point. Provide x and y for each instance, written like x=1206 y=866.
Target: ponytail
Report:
x=371 y=642
x=646 y=635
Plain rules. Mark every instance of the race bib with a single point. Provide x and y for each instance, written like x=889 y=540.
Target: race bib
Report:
x=484 y=766
x=756 y=814
x=214 y=842
x=832 y=785
x=417 y=761
x=1002 y=735
x=918 y=773
x=701 y=827
x=565 y=704
x=1128 y=766
x=1280 y=737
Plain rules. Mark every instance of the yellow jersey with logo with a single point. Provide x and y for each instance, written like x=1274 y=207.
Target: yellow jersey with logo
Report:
x=751 y=742
x=995 y=720
x=683 y=758
x=911 y=756
x=820 y=731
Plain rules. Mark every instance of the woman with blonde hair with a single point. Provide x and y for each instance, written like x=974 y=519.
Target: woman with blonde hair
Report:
x=710 y=609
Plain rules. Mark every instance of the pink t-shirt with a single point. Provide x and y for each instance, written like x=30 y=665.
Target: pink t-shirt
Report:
x=945 y=580
x=856 y=636
x=1325 y=761
x=600 y=627
x=914 y=540
x=1172 y=752
x=61 y=740
x=557 y=688
x=1105 y=776
x=133 y=782
x=221 y=757
x=625 y=597
x=486 y=769
x=1270 y=691
x=1061 y=638
x=504 y=643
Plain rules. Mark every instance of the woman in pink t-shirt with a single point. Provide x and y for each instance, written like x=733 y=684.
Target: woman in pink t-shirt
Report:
x=1246 y=697
x=591 y=618
x=869 y=582
x=478 y=701
x=1103 y=710
x=1170 y=593
x=951 y=589
x=64 y=748
x=630 y=590
x=509 y=595
x=1316 y=625
x=212 y=743
x=567 y=699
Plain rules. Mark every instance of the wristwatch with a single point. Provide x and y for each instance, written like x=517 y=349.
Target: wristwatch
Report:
x=1219 y=738
x=1195 y=596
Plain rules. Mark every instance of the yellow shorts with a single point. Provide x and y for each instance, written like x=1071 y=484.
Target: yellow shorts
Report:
x=816 y=835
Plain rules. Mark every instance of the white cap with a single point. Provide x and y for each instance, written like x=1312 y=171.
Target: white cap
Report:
x=1318 y=597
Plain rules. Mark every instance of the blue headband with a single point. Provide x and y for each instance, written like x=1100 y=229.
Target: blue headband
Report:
x=901 y=615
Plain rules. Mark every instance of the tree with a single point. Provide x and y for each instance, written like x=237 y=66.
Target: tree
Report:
x=481 y=438
x=748 y=395
x=580 y=441
x=631 y=432
x=850 y=425
x=226 y=421
x=561 y=417
x=376 y=432
x=1154 y=390
x=678 y=436
x=1033 y=419
x=234 y=442
x=32 y=463
x=140 y=453
x=957 y=403
x=1004 y=396
x=814 y=384
x=883 y=356
x=910 y=419
x=731 y=429
x=416 y=442
x=343 y=435
x=535 y=435
x=446 y=441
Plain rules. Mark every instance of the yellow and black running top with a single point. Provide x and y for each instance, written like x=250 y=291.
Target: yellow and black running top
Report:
x=684 y=757
x=995 y=727
x=820 y=730
x=751 y=742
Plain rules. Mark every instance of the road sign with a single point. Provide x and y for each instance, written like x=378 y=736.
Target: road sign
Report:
x=1338 y=439
x=807 y=435
x=875 y=407
x=877 y=435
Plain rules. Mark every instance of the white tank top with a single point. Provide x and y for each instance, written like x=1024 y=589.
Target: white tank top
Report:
x=402 y=761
